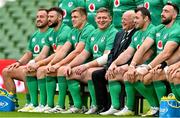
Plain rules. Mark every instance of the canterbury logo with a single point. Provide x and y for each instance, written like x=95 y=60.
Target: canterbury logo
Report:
x=3 y=104
x=163 y=110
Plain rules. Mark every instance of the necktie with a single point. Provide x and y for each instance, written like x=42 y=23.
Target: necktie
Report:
x=124 y=37
x=120 y=44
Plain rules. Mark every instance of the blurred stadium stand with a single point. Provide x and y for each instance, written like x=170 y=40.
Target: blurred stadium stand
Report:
x=17 y=23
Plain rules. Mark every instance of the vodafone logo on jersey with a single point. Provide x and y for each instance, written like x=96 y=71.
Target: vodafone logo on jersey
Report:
x=75 y=45
x=91 y=7
x=95 y=48
x=146 y=5
x=116 y=3
x=64 y=13
x=138 y=46
x=36 y=48
x=160 y=45
x=54 y=46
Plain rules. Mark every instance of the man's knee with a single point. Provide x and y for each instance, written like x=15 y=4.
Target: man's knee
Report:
x=89 y=72
x=4 y=72
x=60 y=71
x=41 y=72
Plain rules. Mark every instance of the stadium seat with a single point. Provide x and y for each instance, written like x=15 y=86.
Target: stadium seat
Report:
x=26 y=3
x=23 y=21
x=44 y=4
x=22 y=46
x=14 y=55
x=7 y=27
x=16 y=38
x=12 y=9
x=10 y=33
x=2 y=56
x=2 y=47
x=17 y=24
x=3 y=20
x=9 y=49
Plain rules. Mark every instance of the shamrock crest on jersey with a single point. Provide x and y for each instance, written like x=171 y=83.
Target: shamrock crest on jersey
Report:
x=92 y=7
x=73 y=37
x=116 y=3
x=135 y=38
x=92 y=38
x=43 y=41
x=33 y=40
x=50 y=39
x=103 y=39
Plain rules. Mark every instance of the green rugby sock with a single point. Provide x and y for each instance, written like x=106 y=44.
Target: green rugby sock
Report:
x=33 y=89
x=148 y=92
x=62 y=85
x=92 y=92
x=74 y=88
x=130 y=95
x=115 y=90
x=51 y=89
x=42 y=91
x=160 y=89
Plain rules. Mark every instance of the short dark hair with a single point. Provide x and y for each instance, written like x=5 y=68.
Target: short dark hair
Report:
x=145 y=12
x=57 y=9
x=174 y=6
x=104 y=9
x=81 y=10
x=43 y=9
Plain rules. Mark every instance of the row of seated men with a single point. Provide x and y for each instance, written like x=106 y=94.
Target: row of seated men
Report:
x=141 y=56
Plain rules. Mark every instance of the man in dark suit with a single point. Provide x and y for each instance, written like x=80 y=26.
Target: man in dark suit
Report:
x=122 y=41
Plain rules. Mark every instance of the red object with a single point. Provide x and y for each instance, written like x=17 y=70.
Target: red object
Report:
x=4 y=63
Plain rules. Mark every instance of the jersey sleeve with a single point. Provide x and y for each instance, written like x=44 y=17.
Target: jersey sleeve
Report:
x=132 y=44
x=153 y=32
x=87 y=45
x=30 y=48
x=63 y=36
x=47 y=41
x=86 y=33
x=69 y=39
x=30 y=45
x=175 y=36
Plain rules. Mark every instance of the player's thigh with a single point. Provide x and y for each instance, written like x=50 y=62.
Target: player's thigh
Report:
x=60 y=71
x=41 y=71
x=17 y=73
x=89 y=71
x=52 y=74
